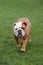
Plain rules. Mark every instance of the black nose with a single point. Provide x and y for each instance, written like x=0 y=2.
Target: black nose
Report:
x=19 y=32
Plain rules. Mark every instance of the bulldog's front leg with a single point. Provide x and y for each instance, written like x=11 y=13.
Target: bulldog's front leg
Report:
x=25 y=40
x=17 y=41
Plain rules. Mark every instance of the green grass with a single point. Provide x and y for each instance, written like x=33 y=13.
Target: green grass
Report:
x=10 y=11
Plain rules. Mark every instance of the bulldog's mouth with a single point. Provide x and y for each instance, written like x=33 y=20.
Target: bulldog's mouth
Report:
x=19 y=35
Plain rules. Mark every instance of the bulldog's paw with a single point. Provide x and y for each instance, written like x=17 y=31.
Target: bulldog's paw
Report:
x=23 y=50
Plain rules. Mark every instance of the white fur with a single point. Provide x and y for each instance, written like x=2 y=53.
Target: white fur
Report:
x=18 y=27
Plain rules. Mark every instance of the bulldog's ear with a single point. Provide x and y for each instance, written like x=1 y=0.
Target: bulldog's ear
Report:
x=24 y=25
x=14 y=24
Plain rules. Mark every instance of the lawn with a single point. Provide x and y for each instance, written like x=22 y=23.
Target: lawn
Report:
x=10 y=11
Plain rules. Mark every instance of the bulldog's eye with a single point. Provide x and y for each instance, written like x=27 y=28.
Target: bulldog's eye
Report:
x=16 y=28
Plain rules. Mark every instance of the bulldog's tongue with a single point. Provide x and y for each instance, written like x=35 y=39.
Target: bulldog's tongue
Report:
x=19 y=35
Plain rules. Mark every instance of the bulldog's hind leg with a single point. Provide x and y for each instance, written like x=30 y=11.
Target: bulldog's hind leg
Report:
x=29 y=40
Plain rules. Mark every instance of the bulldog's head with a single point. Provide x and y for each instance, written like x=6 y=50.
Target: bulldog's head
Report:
x=19 y=29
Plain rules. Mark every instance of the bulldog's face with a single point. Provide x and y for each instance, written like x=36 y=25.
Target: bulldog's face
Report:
x=19 y=29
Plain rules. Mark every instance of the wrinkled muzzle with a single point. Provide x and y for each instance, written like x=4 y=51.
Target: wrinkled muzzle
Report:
x=19 y=33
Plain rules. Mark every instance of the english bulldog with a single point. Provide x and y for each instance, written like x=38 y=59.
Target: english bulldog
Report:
x=22 y=30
